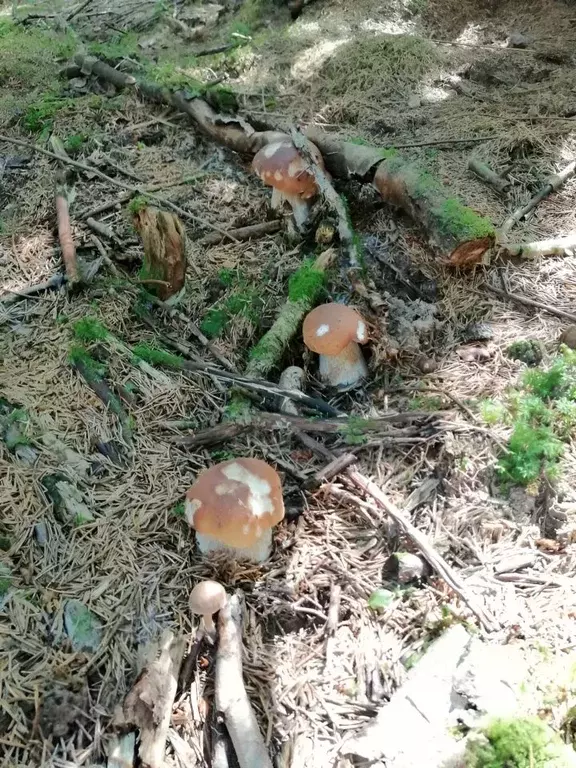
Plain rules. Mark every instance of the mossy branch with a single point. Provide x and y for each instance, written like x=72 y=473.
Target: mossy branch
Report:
x=304 y=289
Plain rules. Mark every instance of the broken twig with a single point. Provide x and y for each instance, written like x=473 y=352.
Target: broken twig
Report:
x=486 y=173
x=347 y=239
x=65 y=238
x=532 y=303
x=231 y=697
x=243 y=233
x=148 y=705
x=552 y=184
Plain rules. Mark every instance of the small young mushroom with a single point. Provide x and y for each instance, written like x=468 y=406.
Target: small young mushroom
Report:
x=207 y=598
x=233 y=506
x=334 y=332
x=282 y=167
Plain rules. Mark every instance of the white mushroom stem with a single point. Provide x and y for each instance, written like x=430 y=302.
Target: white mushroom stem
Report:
x=344 y=370
x=257 y=553
x=209 y=625
x=300 y=207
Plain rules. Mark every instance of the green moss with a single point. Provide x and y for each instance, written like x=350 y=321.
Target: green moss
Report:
x=426 y=403
x=353 y=432
x=462 y=222
x=156 y=356
x=137 y=204
x=78 y=355
x=529 y=351
x=516 y=743
x=214 y=322
x=238 y=409
x=89 y=330
x=306 y=284
x=74 y=143
x=542 y=414
x=5 y=579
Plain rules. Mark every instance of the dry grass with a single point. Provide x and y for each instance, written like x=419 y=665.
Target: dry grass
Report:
x=135 y=564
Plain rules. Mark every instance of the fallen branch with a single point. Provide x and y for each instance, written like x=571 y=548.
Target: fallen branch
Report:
x=268 y=352
x=532 y=303
x=159 y=357
x=192 y=328
x=486 y=173
x=230 y=694
x=65 y=238
x=560 y=246
x=455 y=230
x=552 y=184
x=85 y=367
x=437 y=562
x=348 y=240
x=148 y=706
x=243 y=233
x=275 y=422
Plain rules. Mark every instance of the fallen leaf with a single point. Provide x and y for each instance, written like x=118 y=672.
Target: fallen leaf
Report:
x=550 y=545
x=471 y=253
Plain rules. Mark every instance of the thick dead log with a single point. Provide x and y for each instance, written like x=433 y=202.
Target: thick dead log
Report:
x=164 y=241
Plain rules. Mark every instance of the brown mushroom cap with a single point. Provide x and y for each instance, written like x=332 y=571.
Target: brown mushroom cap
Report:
x=236 y=501
x=207 y=598
x=329 y=328
x=281 y=166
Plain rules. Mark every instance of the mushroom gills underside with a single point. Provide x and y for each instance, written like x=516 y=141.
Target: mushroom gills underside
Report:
x=344 y=370
x=257 y=553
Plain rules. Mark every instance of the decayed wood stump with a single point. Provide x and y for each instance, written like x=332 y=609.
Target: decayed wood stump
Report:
x=164 y=241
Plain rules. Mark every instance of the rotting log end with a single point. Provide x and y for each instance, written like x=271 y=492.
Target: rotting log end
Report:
x=458 y=233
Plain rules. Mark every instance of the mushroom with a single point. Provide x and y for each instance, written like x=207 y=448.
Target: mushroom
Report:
x=207 y=598
x=281 y=166
x=233 y=506
x=334 y=332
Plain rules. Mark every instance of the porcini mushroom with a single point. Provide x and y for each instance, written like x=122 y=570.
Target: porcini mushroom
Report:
x=207 y=598
x=233 y=506
x=282 y=167
x=334 y=332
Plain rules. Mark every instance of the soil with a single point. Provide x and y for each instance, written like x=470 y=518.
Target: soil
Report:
x=442 y=80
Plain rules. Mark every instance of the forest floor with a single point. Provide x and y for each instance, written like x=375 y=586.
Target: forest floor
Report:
x=443 y=80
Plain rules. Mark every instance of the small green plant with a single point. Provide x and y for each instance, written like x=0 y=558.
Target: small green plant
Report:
x=179 y=510
x=123 y=45
x=542 y=413
x=214 y=322
x=40 y=115
x=353 y=433
x=515 y=743
x=528 y=351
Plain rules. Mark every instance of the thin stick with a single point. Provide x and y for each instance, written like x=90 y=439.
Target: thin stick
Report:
x=162 y=201
x=244 y=233
x=486 y=173
x=333 y=199
x=332 y=623
x=421 y=541
x=65 y=238
x=552 y=184
x=532 y=303
x=469 y=140
x=230 y=694
x=56 y=281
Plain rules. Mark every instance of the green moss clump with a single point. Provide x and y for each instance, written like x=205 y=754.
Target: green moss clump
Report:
x=306 y=283
x=462 y=222
x=90 y=330
x=516 y=743
x=214 y=323
x=352 y=431
x=156 y=356
x=5 y=579
x=179 y=510
x=542 y=414
x=137 y=204
x=78 y=355
x=238 y=409
x=528 y=351
x=73 y=144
